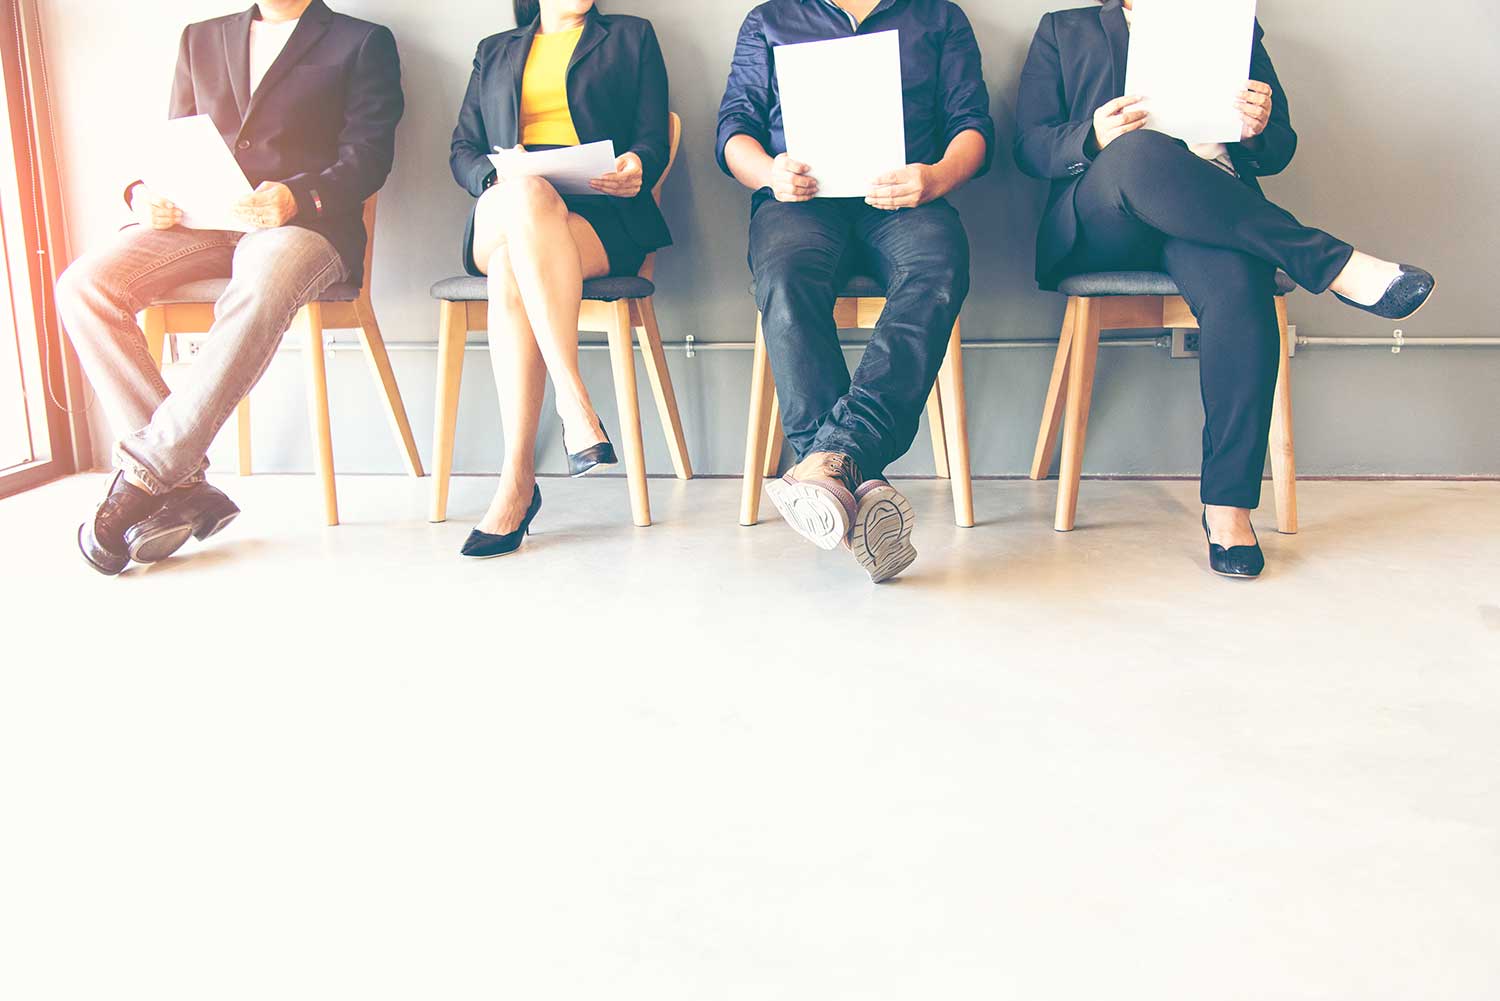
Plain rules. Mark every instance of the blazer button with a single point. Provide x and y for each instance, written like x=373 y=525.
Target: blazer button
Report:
x=243 y=144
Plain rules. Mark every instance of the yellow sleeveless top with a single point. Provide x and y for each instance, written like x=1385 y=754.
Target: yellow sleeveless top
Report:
x=545 y=118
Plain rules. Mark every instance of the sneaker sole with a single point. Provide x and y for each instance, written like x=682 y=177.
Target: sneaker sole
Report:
x=882 y=534
x=812 y=512
x=161 y=545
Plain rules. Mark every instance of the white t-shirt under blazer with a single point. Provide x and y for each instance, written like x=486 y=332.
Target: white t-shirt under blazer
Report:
x=267 y=39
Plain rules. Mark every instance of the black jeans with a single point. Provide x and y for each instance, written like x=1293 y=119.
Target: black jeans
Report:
x=1149 y=203
x=801 y=254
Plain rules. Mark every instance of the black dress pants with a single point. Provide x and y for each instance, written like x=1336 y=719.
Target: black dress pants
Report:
x=801 y=254
x=1149 y=203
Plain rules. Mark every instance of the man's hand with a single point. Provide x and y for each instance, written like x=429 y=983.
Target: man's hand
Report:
x=1116 y=118
x=1254 y=106
x=153 y=211
x=792 y=180
x=268 y=206
x=912 y=185
x=625 y=182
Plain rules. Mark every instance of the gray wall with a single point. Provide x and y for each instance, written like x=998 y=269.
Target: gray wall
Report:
x=1398 y=156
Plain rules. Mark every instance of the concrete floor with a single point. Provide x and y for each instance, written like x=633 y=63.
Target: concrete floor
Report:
x=699 y=762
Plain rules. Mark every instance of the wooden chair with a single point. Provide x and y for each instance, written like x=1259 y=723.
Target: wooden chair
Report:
x=858 y=308
x=1139 y=300
x=614 y=305
x=189 y=309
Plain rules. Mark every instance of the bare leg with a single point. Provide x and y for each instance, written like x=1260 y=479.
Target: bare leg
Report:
x=539 y=233
x=520 y=373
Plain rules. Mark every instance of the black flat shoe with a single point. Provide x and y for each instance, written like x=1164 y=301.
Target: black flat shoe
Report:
x=1242 y=562
x=483 y=546
x=1408 y=293
x=602 y=454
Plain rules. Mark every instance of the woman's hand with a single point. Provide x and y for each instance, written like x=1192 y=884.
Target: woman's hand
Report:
x=1116 y=118
x=792 y=180
x=1254 y=105
x=153 y=211
x=625 y=182
x=912 y=185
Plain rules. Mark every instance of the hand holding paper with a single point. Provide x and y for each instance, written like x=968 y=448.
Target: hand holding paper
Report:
x=570 y=169
x=842 y=111
x=268 y=206
x=152 y=210
x=624 y=181
x=190 y=166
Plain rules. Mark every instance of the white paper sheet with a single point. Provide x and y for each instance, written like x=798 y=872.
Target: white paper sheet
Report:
x=190 y=166
x=569 y=169
x=1189 y=59
x=842 y=110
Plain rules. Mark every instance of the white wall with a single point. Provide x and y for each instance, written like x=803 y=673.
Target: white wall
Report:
x=1398 y=155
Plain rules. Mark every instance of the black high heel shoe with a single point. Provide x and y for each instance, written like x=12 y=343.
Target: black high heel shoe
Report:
x=483 y=546
x=1243 y=562
x=1408 y=293
x=602 y=454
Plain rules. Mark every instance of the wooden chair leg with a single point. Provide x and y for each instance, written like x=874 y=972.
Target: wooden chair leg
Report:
x=1052 y=410
x=762 y=389
x=956 y=424
x=627 y=399
x=1283 y=447
x=242 y=436
x=775 y=437
x=939 y=435
x=1085 y=354
x=154 y=326
x=452 y=333
x=309 y=324
x=661 y=387
x=385 y=381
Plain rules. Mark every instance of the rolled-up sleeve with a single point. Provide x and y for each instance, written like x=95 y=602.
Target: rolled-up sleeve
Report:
x=966 y=99
x=746 y=108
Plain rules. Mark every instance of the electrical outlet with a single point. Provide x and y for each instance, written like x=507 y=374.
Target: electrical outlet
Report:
x=1184 y=344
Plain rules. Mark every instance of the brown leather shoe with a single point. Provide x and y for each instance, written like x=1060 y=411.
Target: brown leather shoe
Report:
x=817 y=498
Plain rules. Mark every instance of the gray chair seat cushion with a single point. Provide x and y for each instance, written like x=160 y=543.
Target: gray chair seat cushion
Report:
x=862 y=287
x=467 y=288
x=208 y=290
x=1110 y=283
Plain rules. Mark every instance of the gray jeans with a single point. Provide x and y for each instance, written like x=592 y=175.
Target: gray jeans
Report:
x=272 y=273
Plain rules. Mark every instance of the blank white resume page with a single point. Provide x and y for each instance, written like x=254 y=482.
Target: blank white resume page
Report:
x=842 y=109
x=1190 y=59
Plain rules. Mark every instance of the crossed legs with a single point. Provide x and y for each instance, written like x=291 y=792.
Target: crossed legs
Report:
x=536 y=255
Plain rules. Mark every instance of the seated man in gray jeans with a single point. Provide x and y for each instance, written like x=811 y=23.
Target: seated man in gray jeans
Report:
x=308 y=101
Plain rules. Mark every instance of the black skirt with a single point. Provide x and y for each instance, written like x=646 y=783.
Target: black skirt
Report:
x=625 y=255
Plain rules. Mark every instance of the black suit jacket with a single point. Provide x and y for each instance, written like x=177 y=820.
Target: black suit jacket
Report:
x=617 y=89
x=1076 y=64
x=322 y=121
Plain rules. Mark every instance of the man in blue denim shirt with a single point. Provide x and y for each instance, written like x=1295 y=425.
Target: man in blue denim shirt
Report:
x=803 y=249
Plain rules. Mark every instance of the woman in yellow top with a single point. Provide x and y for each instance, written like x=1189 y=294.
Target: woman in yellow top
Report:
x=567 y=75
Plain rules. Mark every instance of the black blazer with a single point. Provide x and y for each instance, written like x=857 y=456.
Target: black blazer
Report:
x=1077 y=63
x=322 y=122
x=617 y=89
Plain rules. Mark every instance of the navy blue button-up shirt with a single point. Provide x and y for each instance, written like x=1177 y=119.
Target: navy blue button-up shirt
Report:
x=941 y=75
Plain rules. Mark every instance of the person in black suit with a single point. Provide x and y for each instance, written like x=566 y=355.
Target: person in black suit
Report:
x=308 y=101
x=1126 y=198
x=567 y=75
